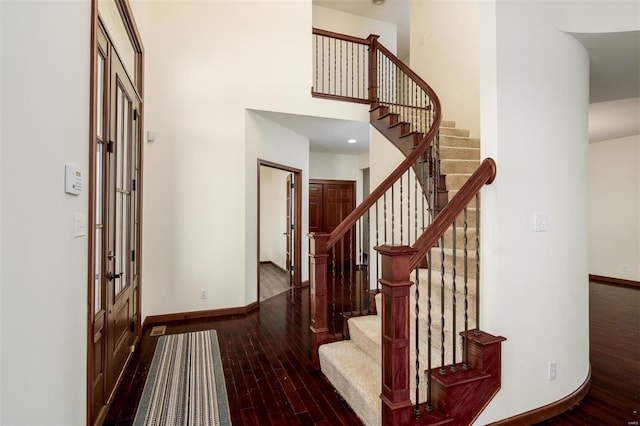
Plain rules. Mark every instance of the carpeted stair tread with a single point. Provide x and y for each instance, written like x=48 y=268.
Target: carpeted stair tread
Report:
x=451 y=131
x=365 y=332
x=459 y=141
x=459 y=153
x=356 y=377
x=453 y=166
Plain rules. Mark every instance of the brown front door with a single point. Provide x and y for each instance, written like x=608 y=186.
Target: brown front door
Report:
x=116 y=173
x=330 y=201
x=120 y=208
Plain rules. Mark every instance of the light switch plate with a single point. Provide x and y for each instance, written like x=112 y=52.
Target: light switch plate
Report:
x=540 y=223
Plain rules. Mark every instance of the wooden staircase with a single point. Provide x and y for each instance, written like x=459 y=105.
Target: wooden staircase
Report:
x=419 y=359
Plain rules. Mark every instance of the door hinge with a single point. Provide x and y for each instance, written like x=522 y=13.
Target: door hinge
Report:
x=134 y=185
x=133 y=255
x=293 y=185
x=132 y=328
x=110 y=146
x=293 y=226
x=135 y=113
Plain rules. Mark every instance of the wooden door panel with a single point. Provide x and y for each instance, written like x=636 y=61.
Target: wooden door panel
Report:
x=329 y=203
x=315 y=208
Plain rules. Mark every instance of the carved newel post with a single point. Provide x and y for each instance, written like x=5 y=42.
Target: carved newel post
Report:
x=395 y=284
x=318 y=292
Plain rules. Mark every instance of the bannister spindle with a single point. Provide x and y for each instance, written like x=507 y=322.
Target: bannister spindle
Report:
x=416 y=409
x=442 y=370
x=429 y=381
x=360 y=239
x=342 y=281
x=393 y=217
x=384 y=205
x=466 y=293
x=333 y=290
x=401 y=216
x=453 y=319
x=377 y=244
x=477 y=263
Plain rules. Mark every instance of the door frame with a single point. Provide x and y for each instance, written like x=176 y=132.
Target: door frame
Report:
x=137 y=80
x=297 y=215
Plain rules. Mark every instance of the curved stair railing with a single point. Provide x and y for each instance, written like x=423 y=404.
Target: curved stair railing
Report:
x=419 y=237
x=407 y=111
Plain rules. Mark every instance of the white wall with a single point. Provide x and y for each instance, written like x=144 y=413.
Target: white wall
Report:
x=445 y=53
x=44 y=115
x=337 y=167
x=534 y=81
x=220 y=59
x=614 y=208
x=272 y=142
x=273 y=216
x=357 y=26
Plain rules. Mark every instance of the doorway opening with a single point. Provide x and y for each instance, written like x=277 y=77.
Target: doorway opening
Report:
x=279 y=228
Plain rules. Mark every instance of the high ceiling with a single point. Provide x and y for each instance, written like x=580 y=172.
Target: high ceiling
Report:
x=614 y=84
x=393 y=11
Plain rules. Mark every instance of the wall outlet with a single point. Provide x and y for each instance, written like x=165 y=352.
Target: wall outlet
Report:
x=553 y=370
x=625 y=268
x=203 y=294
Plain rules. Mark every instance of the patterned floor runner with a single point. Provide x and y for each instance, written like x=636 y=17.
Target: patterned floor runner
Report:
x=185 y=385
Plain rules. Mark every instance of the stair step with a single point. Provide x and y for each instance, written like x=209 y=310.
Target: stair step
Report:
x=458 y=141
x=458 y=378
x=365 y=332
x=459 y=153
x=356 y=377
x=456 y=180
x=451 y=131
x=458 y=166
x=447 y=123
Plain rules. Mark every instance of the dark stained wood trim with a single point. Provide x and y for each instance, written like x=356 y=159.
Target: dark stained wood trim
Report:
x=331 y=34
x=484 y=175
x=91 y=215
x=614 y=281
x=210 y=313
x=550 y=410
x=297 y=254
x=304 y=284
x=339 y=98
x=334 y=181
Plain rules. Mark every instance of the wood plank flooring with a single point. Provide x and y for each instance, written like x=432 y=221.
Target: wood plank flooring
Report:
x=270 y=380
x=266 y=361
x=614 y=332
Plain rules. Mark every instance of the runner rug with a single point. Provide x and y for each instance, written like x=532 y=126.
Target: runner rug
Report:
x=185 y=384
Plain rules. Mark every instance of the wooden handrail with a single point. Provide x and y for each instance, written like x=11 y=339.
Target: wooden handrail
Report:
x=368 y=202
x=484 y=175
x=338 y=36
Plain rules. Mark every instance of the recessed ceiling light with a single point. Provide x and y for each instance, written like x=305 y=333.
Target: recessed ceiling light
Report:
x=378 y=2
x=352 y=141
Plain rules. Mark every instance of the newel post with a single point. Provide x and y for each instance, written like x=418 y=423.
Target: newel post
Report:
x=396 y=404
x=373 y=68
x=318 y=292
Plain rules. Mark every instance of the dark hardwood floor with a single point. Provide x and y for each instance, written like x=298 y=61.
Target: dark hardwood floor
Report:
x=266 y=361
x=614 y=332
x=270 y=380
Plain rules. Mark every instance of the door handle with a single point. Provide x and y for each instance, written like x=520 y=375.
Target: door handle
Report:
x=113 y=276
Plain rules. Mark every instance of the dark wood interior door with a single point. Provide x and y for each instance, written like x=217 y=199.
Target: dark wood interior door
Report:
x=329 y=203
